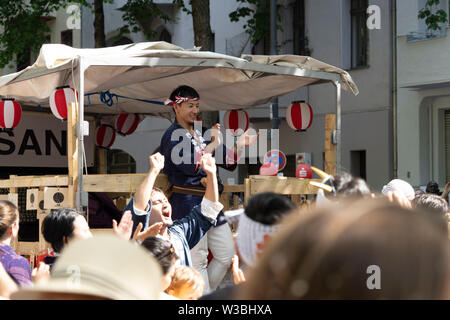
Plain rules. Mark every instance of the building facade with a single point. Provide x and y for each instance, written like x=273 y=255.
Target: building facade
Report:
x=423 y=111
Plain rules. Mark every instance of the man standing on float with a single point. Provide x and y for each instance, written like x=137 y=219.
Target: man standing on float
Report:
x=182 y=145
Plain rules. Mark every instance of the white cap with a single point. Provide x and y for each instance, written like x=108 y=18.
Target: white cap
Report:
x=400 y=186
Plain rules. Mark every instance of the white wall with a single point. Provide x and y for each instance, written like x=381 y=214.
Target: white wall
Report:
x=407 y=21
x=423 y=92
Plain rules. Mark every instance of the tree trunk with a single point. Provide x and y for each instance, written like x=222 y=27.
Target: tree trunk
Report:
x=203 y=37
x=99 y=24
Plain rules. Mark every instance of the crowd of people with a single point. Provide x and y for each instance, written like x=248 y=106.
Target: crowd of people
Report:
x=350 y=243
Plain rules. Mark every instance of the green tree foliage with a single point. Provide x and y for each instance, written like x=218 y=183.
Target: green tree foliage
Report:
x=23 y=28
x=433 y=15
x=258 y=13
x=138 y=15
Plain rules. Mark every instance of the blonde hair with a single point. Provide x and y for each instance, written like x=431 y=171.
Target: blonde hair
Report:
x=186 y=277
x=8 y=216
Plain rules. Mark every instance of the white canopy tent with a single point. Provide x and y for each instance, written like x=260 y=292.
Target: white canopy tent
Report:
x=137 y=78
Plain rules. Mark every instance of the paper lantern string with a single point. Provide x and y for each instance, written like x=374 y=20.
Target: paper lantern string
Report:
x=107 y=98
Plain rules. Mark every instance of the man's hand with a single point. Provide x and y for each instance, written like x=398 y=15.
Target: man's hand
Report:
x=246 y=139
x=125 y=227
x=238 y=274
x=40 y=274
x=216 y=139
x=208 y=164
x=151 y=231
x=399 y=198
x=156 y=162
x=447 y=186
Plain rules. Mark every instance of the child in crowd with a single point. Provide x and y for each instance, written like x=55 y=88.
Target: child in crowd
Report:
x=187 y=284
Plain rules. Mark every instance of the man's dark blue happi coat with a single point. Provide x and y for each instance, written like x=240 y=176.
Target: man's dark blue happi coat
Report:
x=189 y=174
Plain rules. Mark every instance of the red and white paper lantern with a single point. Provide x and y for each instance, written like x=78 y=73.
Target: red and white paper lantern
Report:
x=59 y=100
x=235 y=120
x=126 y=123
x=299 y=115
x=105 y=136
x=10 y=113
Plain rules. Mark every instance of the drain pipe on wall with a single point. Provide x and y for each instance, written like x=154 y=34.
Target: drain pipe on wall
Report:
x=394 y=87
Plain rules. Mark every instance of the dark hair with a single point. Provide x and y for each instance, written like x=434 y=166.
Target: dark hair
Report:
x=162 y=250
x=433 y=187
x=418 y=193
x=57 y=225
x=435 y=206
x=268 y=208
x=185 y=92
x=347 y=185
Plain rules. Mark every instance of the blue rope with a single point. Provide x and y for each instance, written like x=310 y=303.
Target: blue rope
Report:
x=108 y=98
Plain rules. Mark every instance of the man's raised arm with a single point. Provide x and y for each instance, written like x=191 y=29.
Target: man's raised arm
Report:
x=142 y=195
x=209 y=166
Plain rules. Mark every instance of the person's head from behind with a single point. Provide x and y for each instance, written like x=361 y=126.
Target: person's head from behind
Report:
x=435 y=207
x=187 y=284
x=418 y=193
x=260 y=220
x=368 y=249
x=433 y=188
x=401 y=186
x=161 y=208
x=185 y=103
x=64 y=225
x=349 y=186
x=343 y=185
x=9 y=220
x=163 y=251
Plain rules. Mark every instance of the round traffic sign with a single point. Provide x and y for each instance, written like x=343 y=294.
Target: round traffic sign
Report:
x=277 y=157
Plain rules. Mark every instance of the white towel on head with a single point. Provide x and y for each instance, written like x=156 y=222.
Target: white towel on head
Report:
x=400 y=186
x=252 y=237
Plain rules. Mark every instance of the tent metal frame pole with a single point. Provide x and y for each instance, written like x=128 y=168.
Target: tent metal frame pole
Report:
x=274 y=51
x=82 y=66
x=337 y=84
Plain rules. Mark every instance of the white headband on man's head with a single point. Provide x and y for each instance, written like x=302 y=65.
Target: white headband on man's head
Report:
x=179 y=100
x=251 y=238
